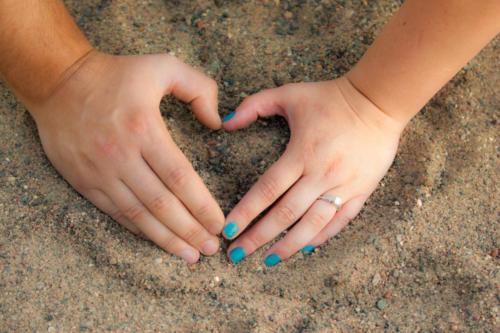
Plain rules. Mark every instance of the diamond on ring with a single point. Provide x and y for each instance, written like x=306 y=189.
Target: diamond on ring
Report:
x=332 y=199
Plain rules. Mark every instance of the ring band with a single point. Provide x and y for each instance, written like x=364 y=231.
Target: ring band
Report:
x=331 y=199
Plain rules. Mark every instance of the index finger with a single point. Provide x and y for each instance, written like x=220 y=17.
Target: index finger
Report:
x=177 y=173
x=270 y=186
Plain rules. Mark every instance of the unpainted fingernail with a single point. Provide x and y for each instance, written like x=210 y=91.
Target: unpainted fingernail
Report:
x=210 y=247
x=228 y=116
x=237 y=254
x=308 y=249
x=230 y=229
x=189 y=255
x=272 y=260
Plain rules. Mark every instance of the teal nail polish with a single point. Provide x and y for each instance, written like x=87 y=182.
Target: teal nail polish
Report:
x=237 y=254
x=308 y=249
x=230 y=230
x=228 y=116
x=272 y=260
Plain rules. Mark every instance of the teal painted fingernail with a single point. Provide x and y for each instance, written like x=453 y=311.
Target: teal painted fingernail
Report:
x=230 y=230
x=237 y=254
x=228 y=116
x=272 y=260
x=308 y=249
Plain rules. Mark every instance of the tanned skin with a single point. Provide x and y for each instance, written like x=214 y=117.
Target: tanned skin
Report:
x=99 y=122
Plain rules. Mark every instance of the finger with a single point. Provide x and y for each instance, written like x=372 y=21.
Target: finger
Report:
x=311 y=224
x=266 y=103
x=104 y=203
x=136 y=212
x=286 y=212
x=166 y=208
x=348 y=212
x=177 y=173
x=270 y=186
x=194 y=87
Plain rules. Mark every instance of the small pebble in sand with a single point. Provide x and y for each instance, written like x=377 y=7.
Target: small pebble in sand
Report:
x=158 y=261
x=217 y=279
x=376 y=279
x=381 y=304
x=419 y=203
x=399 y=239
x=494 y=253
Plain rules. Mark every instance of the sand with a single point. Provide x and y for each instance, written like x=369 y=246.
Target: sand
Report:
x=421 y=257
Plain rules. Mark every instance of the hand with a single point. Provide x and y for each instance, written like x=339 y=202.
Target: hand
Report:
x=341 y=145
x=103 y=131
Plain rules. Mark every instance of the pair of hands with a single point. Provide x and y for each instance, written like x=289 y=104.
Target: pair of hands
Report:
x=103 y=131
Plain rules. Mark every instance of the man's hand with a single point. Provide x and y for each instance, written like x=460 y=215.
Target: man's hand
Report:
x=103 y=131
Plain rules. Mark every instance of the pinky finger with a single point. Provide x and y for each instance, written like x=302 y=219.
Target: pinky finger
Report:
x=104 y=203
x=348 y=212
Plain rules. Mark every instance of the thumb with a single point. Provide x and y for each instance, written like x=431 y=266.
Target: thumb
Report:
x=194 y=87
x=266 y=103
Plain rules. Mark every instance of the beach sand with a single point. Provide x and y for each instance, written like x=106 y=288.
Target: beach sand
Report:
x=421 y=257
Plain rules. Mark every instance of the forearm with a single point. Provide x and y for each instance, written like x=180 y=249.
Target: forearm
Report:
x=423 y=46
x=39 y=41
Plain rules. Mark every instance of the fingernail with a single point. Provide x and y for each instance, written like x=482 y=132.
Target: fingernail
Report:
x=230 y=230
x=272 y=260
x=190 y=255
x=228 y=116
x=308 y=249
x=210 y=247
x=237 y=254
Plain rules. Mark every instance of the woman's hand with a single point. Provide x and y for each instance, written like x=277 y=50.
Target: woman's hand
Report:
x=341 y=145
x=103 y=131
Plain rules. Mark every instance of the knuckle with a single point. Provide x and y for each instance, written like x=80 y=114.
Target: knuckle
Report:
x=161 y=203
x=285 y=249
x=117 y=215
x=177 y=177
x=134 y=212
x=285 y=214
x=193 y=235
x=243 y=211
x=167 y=242
x=318 y=221
x=108 y=147
x=136 y=124
x=79 y=186
x=268 y=189
x=254 y=240
x=204 y=209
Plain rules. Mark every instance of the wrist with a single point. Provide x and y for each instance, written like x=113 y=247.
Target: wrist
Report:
x=73 y=84
x=400 y=110
x=366 y=109
x=34 y=78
